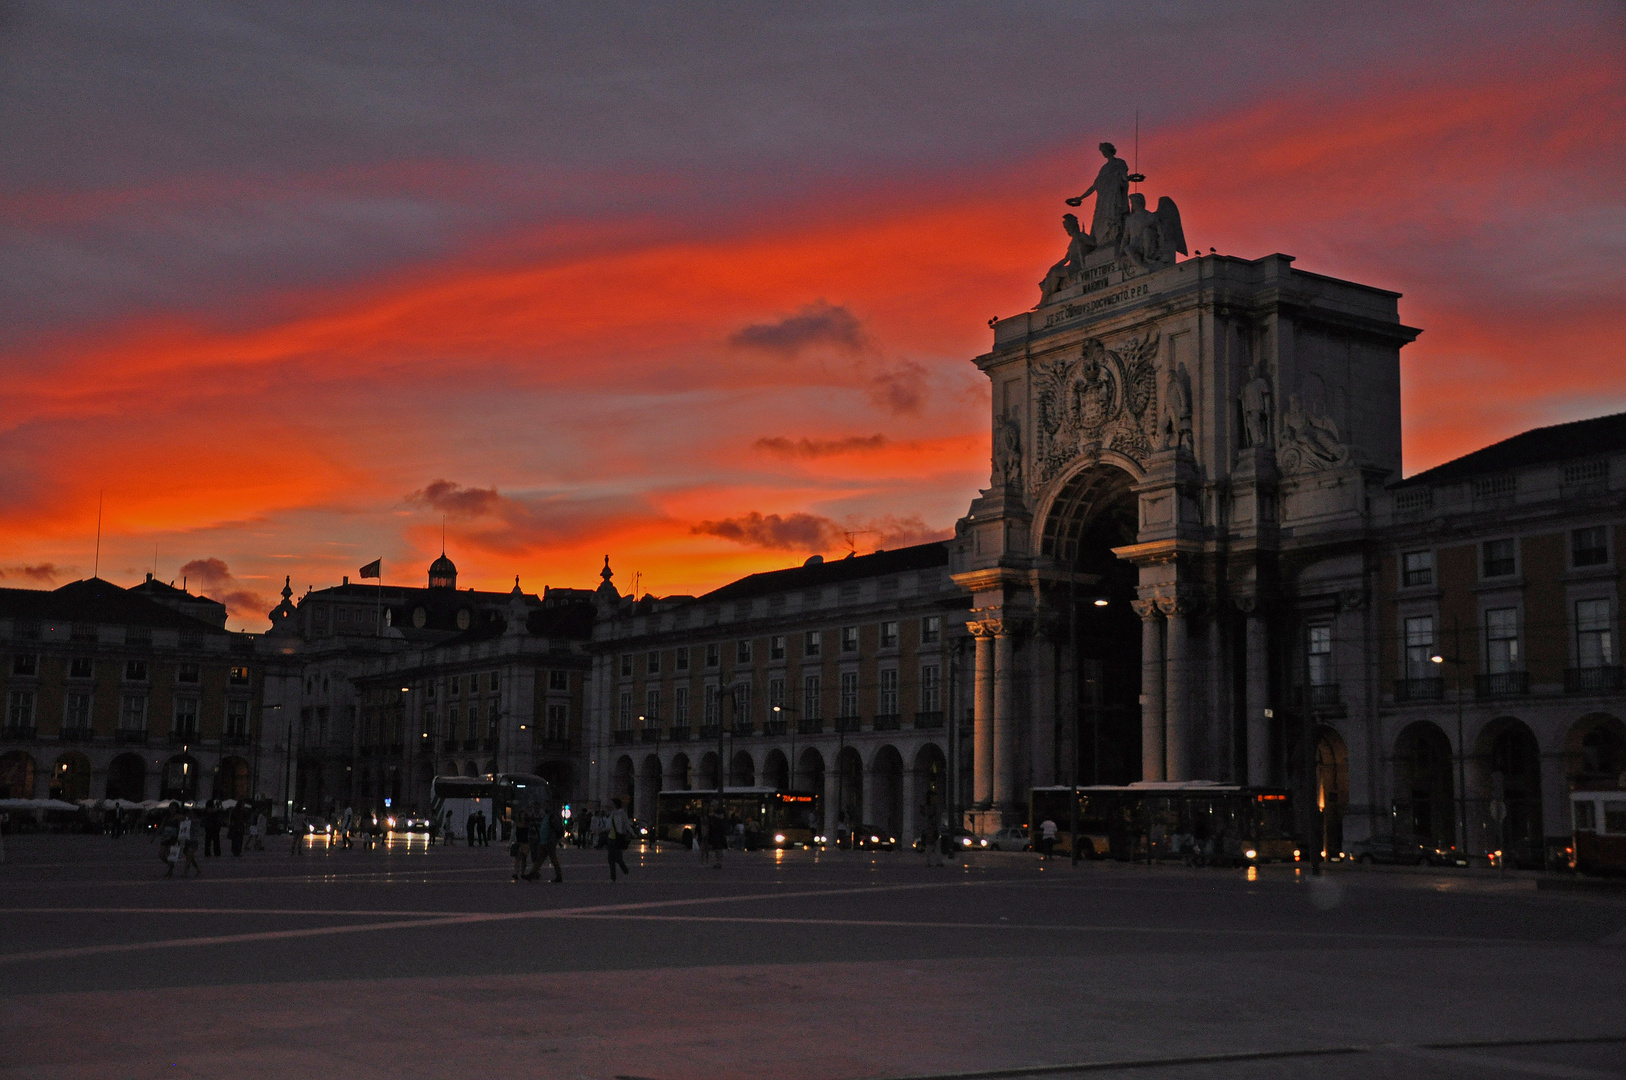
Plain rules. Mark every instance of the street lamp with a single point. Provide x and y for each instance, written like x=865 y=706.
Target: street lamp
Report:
x=1462 y=751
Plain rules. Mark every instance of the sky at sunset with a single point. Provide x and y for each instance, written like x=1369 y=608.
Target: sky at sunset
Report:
x=290 y=285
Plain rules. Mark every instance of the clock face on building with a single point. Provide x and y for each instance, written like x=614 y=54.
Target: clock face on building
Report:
x=419 y=617
x=463 y=619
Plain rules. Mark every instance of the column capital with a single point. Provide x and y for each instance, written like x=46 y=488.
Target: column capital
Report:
x=991 y=628
x=1177 y=604
x=1248 y=604
x=1146 y=609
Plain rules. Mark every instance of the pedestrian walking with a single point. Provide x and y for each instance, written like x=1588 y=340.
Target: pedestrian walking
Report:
x=520 y=849
x=1047 y=837
x=929 y=836
x=186 y=834
x=619 y=838
x=485 y=830
x=347 y=825
x=168 y=835
x=237 y=828
x=717 y=834
x=471 y=828
x=211 y=830
x=256 y=831
x=546 y=835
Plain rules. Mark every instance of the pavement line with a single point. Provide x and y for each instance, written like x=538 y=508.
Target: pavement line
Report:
x=1497 y=1063
x=453 y=920
x=226 y=911
x=316 y=878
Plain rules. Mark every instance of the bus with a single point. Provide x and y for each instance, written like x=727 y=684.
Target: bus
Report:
x=773 y=818
x=1599 y=845
x=513 y=793
x=1228 y=824
x=461 y=796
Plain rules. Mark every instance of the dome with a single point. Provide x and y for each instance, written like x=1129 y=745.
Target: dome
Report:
x=443 y=573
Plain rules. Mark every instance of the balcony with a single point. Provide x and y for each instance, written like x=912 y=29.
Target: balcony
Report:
x=710 y=731
x=681 y=733
x=745 y=727
x=81 y=734
x=622 y=737
x=1592 y=680
x=130 y=736
x=18 y=732
x=810 y=725
x=775 y=727
x=888 y=721
x=1502 y=684
x=183 y=737
x=649 y=734
x=848 y=723
x=1324 y=695
x=1419 y=689
x=928 y=721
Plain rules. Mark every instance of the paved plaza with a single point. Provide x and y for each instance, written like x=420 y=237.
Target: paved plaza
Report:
x=431 y=963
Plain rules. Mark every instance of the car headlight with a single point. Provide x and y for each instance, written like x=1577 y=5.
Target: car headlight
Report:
x=392 y=823
x=875 y=839
x=779 y=838
x=965 y=841
x=1250 y=853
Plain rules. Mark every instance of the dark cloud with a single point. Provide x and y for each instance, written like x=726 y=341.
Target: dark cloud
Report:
x=206 y=573
x=779 y=446
x=46 y=573
x=817 y=534
x=211 y=577
x=819 y=323
x=459 y=502
x=900 y=390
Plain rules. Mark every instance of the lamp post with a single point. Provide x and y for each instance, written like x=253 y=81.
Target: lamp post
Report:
x=1462 y=750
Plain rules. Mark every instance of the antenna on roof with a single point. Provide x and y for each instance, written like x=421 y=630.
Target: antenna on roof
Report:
x=443 y=534
x=96 y=572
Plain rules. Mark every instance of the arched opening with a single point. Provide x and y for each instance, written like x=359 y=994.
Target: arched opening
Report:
x=886 y=792
x=776 y=770
x=708 y=772
x=742 y=771
x=70 y=777
x=1332 y=787
x=1098 y=650
x=1595 y=751
x=931 y=783
x=231 y=779
x=809 y=772
x=17 y=775
x=1423 y=806
x=308 y=782
x=179 y=780
x=677 y=777
x=621 y=786
x=849 y=789
x=1509 y=766
x=127 y=778
x=558 y=775
x=471 y=769
x=649 y=785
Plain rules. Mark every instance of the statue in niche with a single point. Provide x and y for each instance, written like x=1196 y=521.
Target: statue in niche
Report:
x=1176 y=424
x=1308 y=442
x=1008 y=451
x=1111 y=191
x=1254 y=401
x=1152 y=237
x=1079 y=245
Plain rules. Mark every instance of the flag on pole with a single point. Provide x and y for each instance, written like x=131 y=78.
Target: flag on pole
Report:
x=373 y=569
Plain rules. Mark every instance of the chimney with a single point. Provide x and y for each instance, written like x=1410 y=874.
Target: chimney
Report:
x=347 y=579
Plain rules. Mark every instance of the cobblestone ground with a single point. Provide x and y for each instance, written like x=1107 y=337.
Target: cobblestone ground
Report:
x=415 y=962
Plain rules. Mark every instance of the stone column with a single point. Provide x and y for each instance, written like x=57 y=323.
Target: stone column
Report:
x=832 y=790
x=1177 y=699
x=1258 y=698
x=1005 y=766
x=982 y=718
x=1151 y=691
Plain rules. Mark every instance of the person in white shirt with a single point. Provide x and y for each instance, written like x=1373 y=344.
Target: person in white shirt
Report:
x=1047 y=837
x=620 y=837
x=186 y=837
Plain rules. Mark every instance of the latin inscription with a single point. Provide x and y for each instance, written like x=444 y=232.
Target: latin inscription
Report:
x=1077 y=310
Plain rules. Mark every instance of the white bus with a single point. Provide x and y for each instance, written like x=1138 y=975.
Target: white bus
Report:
x=460 y=796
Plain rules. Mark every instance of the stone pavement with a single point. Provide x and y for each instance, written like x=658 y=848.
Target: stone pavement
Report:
x=430 y=964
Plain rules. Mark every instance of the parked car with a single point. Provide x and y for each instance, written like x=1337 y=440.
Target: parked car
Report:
x=1009 y=840
x=955 y=841
x=1388 y=848
x=869 y=838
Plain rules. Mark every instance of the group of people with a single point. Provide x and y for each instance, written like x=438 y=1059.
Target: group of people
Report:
x=182 y=830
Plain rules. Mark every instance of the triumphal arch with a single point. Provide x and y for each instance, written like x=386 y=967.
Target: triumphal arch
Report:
x=1183 y=445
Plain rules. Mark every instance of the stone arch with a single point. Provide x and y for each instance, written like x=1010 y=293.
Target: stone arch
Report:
x=18 y=774
x=127 y=778
x=649 y=785
x=231 y=779
x=707 y=780
x=491 y=768
x=470 y=769
x=70 y=777
x=621 y=784
x=677 y=775
x=1098 y=494
x=930 y=793
x=179 y=779
x=809 y=772
x=885 y=802
x=849 y=789
x=1595 y=750
x=1332 y=786
x=776 y=770
x=742 y=771
x=1424 y=799
x=1508 y=749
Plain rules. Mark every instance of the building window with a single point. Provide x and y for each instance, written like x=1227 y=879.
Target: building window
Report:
x=1417 y=568
x=1501 y=640
x=626 y=669
x=1320 y=650
x=849 y=639
x=887 y=702
x=1594 y=637
x=776 y=647
x=237 y=717
x=25 y=664
x=133 y=714
x=652 y=707
x=238 y=675
x=558 y=724
x=812 y=697
x=776 y=693
x=624 y=714
x=135 y=670
x=742 y=652
x=1499 y=558
x=849 y=693
x=186 y=717
x=20 y=714
x=680 y=662
x=812 y=643
x=931 y=629
x=652 y=665
x=452 y=718
x=1420 y=647
x=742 y=701
x=680 y=707
x=714 y=655
x=1590 y=547
x=931 y=688
x=714 y=708
x=81 y=667
x=77 y=715
x=429 y=690
x=889 y=635
x=558 y=680
x=491 y=681
x=187 y=673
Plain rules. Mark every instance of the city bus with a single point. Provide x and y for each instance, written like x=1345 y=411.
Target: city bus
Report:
x=1228 y=824
x=773 y=818
x=513 y=793
x=1599 y=845
x=461 y=796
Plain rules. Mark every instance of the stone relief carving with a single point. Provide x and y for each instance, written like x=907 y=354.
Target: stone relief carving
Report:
x=1101 y=399
x=1308 y=442
x=1008 y=451
x=1175 y=426
x=1254 y=402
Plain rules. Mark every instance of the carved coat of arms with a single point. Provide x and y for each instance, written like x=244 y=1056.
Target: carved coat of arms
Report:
x=1100 y=399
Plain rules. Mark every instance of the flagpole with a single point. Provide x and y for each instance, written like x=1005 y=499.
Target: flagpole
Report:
x=378 y=603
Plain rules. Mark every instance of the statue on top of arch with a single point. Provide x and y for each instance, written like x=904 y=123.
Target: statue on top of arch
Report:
x=1120 y=226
